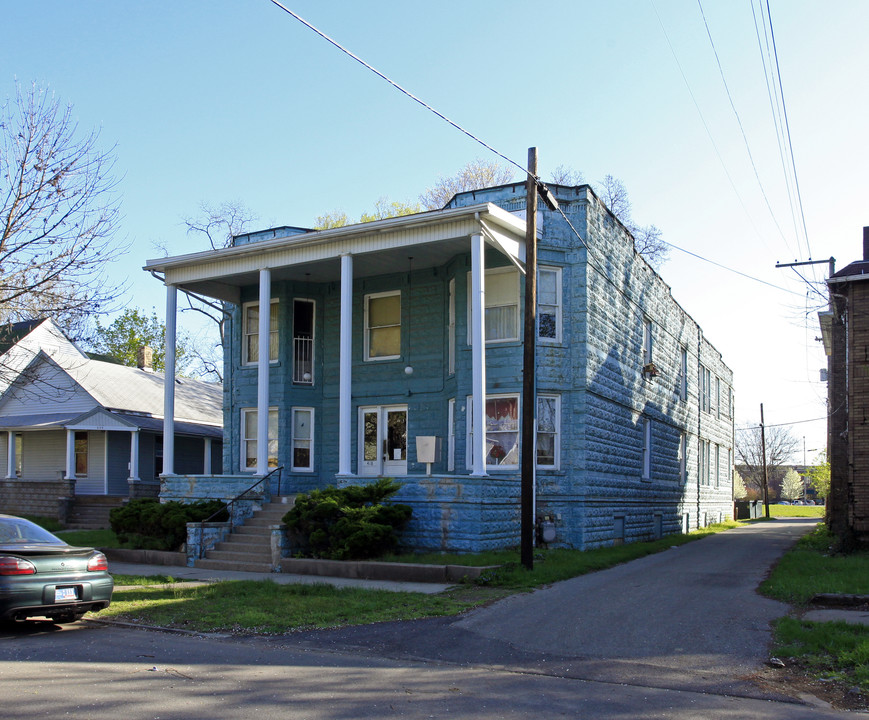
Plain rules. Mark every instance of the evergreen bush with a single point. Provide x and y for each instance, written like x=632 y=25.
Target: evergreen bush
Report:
x=146 y=523
x=351 y=523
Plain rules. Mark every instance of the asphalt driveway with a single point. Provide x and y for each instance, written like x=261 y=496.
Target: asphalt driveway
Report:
x=688 y=618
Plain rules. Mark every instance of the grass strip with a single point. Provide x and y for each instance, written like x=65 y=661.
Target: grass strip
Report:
x=264 y=607
x=829 y=651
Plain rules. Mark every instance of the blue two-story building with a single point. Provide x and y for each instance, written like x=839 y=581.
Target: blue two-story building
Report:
x=394 y=348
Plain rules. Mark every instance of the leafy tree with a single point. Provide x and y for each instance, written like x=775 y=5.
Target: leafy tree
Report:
x=59 y=213
x=476 y=175
x=819 y=475
x=739 y=490
x=131 y=330
x=383 y=209
x=792 y=485
x=780 y=447
x=332 y=219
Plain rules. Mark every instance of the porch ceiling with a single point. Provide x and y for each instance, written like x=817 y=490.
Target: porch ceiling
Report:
x=377 y=248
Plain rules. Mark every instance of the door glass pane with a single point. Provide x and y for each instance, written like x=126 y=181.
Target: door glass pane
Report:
x=369 y=439
x=396 y=441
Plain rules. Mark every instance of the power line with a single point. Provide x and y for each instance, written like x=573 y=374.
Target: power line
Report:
x=739 y=121
x=397 y=86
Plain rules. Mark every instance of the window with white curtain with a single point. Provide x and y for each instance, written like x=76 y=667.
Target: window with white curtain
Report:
x=250 y=331
x=249 y=433
x=501 y=316
x=548 y=431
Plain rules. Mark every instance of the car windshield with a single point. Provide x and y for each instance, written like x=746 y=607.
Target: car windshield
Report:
x=20 y=531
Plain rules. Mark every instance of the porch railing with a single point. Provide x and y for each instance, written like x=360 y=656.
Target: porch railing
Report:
x=230 y=506
x=303 y=360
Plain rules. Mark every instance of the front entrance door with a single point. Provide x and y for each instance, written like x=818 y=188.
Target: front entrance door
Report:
x=383 y=440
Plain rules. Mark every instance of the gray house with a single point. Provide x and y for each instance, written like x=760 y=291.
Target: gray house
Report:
x=73 y=427
x=395 y=349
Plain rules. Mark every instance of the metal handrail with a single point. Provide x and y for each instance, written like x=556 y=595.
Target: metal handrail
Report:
x=229 y=506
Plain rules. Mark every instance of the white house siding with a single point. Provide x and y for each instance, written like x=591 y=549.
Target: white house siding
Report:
x=95 y=482
x=50 y=391
x=42 y=454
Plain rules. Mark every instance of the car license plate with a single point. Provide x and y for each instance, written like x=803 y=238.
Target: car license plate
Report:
x=65 y=594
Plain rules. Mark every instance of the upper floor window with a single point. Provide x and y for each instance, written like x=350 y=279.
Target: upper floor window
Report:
x=501 y=314
x=647 y=341
x=705 y=383
x=549 y=304
x=303 y=342
x=683 y=374
x=683 y=457
x=383 y=326
x=451 y=328
x=250 y=332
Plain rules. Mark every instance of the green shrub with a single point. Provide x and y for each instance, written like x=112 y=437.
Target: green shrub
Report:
x=352 y=523
x=148 y=524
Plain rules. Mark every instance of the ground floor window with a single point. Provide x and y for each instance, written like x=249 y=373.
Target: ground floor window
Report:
x=249 y=438
x=81 y=453
x=502 y=431
x=303 y=439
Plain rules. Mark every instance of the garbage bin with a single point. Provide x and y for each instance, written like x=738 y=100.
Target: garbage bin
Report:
x=741 y=510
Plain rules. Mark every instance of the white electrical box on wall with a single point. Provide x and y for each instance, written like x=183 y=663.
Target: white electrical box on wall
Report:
x=427 y=448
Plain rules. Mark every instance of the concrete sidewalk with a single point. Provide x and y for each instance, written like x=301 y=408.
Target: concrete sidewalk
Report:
x=188 y=574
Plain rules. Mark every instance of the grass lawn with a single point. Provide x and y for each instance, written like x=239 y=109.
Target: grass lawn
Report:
x=796 y=511
x=266 y=607
x=831 y=651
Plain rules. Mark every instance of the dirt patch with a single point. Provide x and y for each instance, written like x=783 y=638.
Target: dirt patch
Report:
x=801 y=682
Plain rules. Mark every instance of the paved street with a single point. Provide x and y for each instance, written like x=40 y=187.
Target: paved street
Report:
x=674 y=635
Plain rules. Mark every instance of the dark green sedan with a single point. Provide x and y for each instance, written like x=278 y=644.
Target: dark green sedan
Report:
x=42 y=576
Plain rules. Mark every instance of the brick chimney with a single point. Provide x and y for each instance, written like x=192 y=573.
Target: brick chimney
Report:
x=145 y=358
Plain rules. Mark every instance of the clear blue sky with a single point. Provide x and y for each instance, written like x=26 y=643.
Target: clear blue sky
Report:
x=215 y=101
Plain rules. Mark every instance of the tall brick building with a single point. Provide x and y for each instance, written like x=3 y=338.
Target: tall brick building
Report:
x=386 y=332
x=846 y=339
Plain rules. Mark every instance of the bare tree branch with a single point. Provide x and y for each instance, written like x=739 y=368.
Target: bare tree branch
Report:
x=59 y=213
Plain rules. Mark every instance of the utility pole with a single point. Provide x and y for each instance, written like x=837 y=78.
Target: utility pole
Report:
x=529 y=361
x=763 y=453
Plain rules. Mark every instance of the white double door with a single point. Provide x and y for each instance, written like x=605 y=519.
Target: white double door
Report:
x=383 y=440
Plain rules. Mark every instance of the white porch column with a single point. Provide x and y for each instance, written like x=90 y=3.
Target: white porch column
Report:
x=206 y=461
x=345 y=366
x=10 y=455
x=134 y=455
x=169 y=383
x=262 y=386
x=478 y=354
x=70 y=454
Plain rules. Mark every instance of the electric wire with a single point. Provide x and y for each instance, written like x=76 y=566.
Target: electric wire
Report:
x=397 y=86
x=788 y=129
x=739 y=121
x=705 y=124
x=775 y=111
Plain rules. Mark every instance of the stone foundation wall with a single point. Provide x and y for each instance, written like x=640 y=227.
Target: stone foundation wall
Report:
x=41 y=498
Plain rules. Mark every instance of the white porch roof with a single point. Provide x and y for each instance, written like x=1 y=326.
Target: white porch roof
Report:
x=376 y=247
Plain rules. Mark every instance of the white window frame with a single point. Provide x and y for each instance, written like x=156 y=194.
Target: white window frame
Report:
x=78 y=434
x=247 y=332
x=367 y=339
x=293 y=439
x=557 y=433
x=451 y=328
x=647 y=448
x=648 y=340
x=704 y=382
x=717 y=465
x=299 y=379
x=244 y=439
x=469 y=433
x=490 y=272
x=451 y=435
x=683 y=375
x=557 y=307
x=683 y=457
